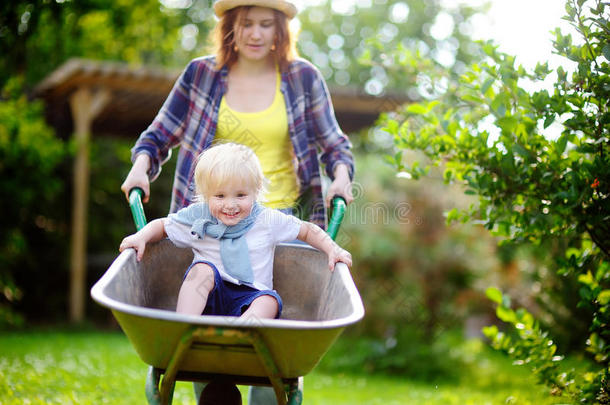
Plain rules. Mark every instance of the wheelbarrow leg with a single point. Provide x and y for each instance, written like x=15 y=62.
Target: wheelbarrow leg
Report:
x=152 y=386
x=165 y=395
x=169 y=378
x=270 y=366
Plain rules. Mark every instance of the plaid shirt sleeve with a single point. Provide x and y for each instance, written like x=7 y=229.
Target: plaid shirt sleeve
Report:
x=334 y=144
x=168 y=127
x=314 y=130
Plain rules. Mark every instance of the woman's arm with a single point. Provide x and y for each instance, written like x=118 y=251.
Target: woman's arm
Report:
x=316 y=237
x=152 y=232
x=154 y=145
x=336 y=147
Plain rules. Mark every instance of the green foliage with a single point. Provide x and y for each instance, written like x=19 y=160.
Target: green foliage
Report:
x=535 y=183
x=409 y=353
x=334 y=35
x=37 y=36
x=30 y=163
x=416 y=277
x=109 y=164
x=532 y=346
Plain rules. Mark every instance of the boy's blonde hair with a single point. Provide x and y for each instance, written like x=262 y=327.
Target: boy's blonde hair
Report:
x=228 y=163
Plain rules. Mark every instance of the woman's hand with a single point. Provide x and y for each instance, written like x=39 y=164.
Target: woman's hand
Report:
x=138 y=177
x=341 y=186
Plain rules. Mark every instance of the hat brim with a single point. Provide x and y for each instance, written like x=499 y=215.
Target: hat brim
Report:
x=222 y=6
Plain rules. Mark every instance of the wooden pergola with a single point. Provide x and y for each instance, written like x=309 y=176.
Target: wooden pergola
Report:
x=101 y=98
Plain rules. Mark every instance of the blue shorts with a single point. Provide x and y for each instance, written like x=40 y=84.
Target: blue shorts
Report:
x=230 y=299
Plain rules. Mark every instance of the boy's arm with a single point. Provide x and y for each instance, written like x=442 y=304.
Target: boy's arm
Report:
x=152 y=232
x=319 y=239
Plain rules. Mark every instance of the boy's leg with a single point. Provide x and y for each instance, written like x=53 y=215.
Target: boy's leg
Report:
x=195 y=289
x=264 y=306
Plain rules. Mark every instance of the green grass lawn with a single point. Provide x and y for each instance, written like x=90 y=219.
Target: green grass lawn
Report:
x=92 y=367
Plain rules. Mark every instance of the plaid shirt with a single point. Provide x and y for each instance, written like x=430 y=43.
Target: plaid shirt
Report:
x=189 y=118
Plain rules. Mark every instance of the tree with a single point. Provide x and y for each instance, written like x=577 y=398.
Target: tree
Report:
x=31 y=183
x=35 y=38
x=335 y=35
x=533 y=186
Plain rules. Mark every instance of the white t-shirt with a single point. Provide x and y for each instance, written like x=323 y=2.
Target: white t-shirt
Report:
x=270 y=228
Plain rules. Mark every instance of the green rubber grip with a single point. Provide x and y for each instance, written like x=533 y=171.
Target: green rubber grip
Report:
x=137 y=209
x=338 y=212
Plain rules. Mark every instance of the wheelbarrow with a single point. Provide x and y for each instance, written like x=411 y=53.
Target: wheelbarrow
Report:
x=318 y=306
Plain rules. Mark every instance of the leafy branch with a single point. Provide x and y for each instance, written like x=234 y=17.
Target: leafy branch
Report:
x=535 y=184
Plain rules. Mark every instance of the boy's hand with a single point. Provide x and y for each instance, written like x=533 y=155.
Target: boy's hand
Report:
x=316 y=237
x=134 y=241
x=339 y=254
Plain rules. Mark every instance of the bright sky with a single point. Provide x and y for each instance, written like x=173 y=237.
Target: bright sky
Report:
x=519 y=27
x=522 y=28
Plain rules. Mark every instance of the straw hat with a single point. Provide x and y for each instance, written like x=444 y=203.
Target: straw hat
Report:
x=286 y=7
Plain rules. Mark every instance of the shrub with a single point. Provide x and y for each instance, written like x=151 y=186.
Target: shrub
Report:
x=31 y=182
x=492 y=136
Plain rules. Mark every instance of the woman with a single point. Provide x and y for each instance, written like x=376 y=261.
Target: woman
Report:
x=253 y=91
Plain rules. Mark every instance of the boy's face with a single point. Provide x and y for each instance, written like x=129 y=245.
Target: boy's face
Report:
x=231 y=203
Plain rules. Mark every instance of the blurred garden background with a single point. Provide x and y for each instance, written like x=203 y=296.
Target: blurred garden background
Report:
x=480 y=229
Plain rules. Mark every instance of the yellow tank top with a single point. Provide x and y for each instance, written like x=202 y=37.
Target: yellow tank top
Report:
x=266 y=133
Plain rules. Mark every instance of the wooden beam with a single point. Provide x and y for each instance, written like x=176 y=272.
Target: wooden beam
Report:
x=85 y=106
x=353 y=101
x=138 y=93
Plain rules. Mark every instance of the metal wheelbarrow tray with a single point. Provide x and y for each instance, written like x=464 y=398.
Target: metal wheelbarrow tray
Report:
x=318 y=305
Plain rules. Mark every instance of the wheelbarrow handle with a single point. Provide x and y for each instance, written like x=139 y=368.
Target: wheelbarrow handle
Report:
x=137 y=209
x=338 y=212
x=139 y=218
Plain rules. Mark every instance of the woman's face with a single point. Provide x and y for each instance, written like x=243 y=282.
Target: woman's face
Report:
x=255 y=34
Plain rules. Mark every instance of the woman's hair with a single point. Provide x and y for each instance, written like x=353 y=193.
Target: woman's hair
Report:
x=223 y=37
x=228 y=163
